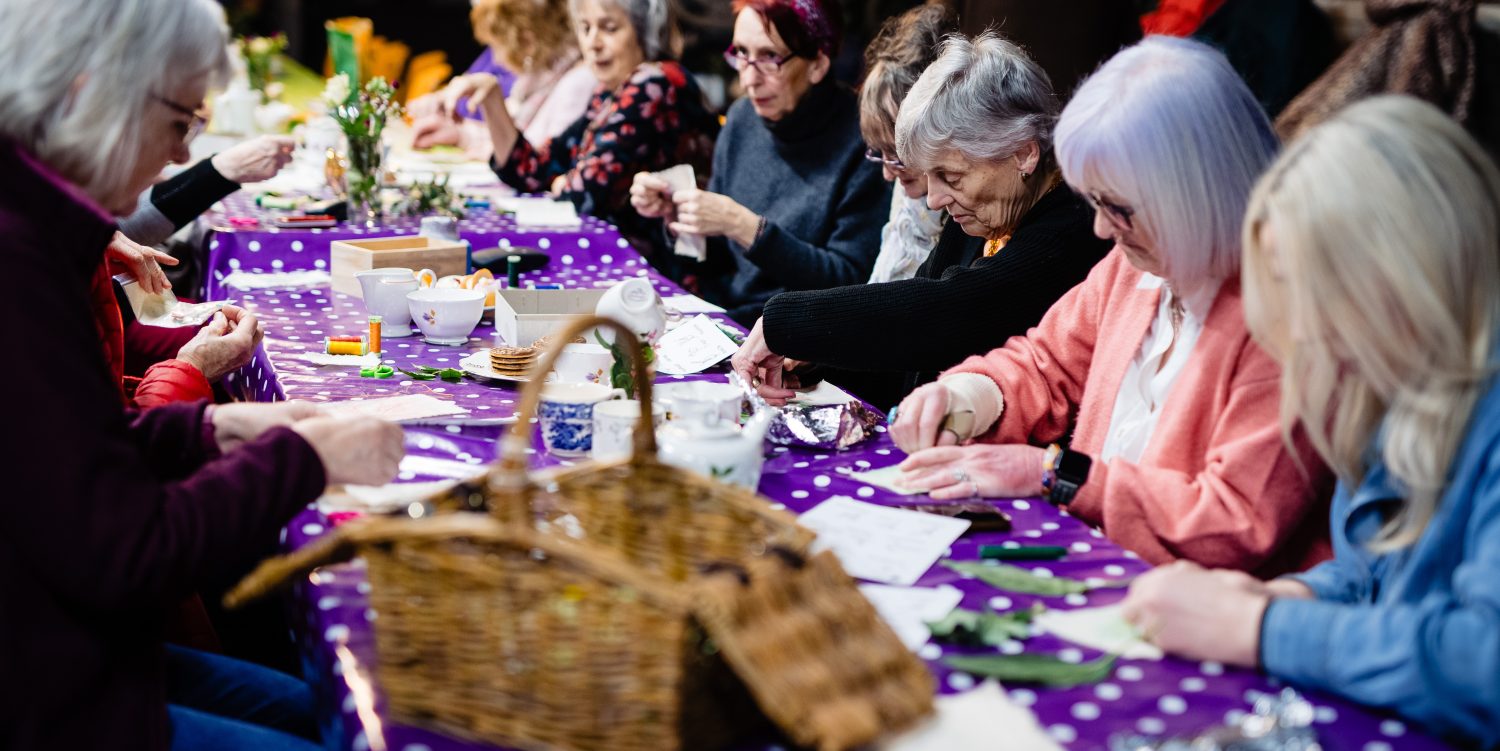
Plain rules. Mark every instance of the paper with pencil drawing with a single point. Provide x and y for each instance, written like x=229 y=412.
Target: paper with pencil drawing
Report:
x=881 y=544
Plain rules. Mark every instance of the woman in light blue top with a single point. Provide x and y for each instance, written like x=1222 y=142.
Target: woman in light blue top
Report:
x=1372 y=258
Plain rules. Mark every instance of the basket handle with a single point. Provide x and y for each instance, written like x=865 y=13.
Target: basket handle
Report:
x=512 y=471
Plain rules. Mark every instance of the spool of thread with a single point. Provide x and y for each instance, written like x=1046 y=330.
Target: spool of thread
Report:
x=346 y=345
x=513 y=271
x=375 y=334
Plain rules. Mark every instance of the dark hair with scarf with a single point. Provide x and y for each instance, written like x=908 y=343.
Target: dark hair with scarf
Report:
x=806 y=26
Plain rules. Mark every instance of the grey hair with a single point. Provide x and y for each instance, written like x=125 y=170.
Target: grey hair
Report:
x=985 y=97
x=653 y=22
x=81 y=74
x=1169 y=128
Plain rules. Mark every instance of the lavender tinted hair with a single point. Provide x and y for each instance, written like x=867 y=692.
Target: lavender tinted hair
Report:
x=1167 y=127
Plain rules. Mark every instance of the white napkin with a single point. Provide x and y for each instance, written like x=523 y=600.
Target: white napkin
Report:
x=983 y=719
x=1104 y=629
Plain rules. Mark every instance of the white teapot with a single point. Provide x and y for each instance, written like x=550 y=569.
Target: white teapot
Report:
x=720 y=449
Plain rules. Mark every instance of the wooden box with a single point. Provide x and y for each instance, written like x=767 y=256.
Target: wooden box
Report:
x=346 y=257
x=522 y=315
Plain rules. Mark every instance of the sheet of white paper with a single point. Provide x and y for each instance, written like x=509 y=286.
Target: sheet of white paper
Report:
x=402 y=408
x=344 y=361
x=1104 y=629
x=180 y=314
x=885 y=477
x=823 y=393
x=250 y=280
x=908 y=609
x=690 y=304
x=682 y=177
x=886 y=545
x=983 y=719
x=431 y=465
x=379 y=499
x=542 y=212
x=692 y=347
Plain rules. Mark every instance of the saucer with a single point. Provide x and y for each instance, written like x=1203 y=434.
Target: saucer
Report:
x=478 y=365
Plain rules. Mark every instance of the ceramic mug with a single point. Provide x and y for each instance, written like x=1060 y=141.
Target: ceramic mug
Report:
x=614 y=427
x=702 y=402
x=584 y=363
x=635 y=304
x=567 y=415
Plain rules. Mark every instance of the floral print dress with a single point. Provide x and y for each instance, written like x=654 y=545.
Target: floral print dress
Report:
x=655 y=120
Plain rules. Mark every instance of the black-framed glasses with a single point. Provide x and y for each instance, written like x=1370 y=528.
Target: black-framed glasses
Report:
x=879 y=157
x=197 y=118
x=1119 y=215
x=768 y=65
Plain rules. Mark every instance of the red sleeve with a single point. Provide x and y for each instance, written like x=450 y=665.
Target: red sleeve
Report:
x=172 y=381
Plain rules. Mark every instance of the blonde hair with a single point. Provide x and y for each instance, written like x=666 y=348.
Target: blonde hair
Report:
x=524 y=34
x=1372 y=272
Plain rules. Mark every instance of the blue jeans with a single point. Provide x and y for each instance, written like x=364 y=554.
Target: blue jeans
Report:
x=216 y=702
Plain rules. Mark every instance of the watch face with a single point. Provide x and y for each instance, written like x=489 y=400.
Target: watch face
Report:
x=1074 y=466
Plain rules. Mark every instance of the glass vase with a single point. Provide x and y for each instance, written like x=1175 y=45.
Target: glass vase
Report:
x=362 y=181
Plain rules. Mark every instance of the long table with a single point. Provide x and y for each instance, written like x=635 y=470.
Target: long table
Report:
x=335 y=625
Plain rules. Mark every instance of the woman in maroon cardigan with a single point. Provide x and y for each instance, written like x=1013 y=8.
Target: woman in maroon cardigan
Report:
x=112 y=516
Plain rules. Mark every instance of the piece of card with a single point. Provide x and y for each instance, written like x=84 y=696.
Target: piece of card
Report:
x=693 y=347
x=1104 y=629
x=881 y=544
x=253 y=280
x=404 y=408
x=907 y=610
x=983 y=719
x=380 y=499
x=823 y=393
x=542 y=212
x=682 y=177
x=686 y=303
x=886 y=477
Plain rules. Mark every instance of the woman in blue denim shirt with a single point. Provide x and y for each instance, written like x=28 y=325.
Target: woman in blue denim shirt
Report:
x=1372 y=257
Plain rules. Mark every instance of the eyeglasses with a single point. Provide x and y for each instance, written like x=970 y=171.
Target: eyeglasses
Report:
x=768 y=65
x=1119 y=215
x=195 y=125
x=879 y=157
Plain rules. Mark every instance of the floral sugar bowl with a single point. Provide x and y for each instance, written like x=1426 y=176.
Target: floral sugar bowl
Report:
x=717 y=448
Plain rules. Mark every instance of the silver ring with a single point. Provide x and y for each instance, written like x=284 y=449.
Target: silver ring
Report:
x=973 y=489
x=960 y=475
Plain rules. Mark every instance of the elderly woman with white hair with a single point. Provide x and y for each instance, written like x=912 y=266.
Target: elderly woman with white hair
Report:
x=647 y=113
x=116 y=516
x=1175 y=449
x=1390 y=359
x=977 y=128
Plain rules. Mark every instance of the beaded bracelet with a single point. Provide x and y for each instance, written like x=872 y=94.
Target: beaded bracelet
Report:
x=1049 y=469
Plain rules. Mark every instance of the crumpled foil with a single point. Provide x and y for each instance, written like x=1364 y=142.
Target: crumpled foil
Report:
x=823 y=426
x=1278 y=722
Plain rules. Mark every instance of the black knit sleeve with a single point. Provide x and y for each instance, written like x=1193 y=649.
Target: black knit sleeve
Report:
x=191 y=192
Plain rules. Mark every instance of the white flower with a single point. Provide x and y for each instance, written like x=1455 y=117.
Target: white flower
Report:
x=337 y=91
x=260 y=46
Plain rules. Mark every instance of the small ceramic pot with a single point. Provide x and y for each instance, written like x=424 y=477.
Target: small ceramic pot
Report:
x=614 y=427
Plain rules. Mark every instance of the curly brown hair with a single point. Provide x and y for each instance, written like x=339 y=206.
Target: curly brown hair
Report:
x=895 y=59
x=524 y=34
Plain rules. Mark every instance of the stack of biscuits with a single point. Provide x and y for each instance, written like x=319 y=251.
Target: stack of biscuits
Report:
x=517 y=362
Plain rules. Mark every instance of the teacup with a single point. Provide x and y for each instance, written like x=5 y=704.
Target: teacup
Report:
x=614 y=427
x=446 y=316
x=567 y=415
x=701 y=401
x=584 y=363
x=635 y=304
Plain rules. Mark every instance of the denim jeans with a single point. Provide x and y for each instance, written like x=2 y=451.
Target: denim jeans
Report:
x=217 y=702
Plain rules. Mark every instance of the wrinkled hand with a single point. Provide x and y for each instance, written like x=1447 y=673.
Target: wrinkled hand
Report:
x=481 y=89
x=652 y=197
x=255 y=160
x=226 y=342
x=234 y=424
x=360 y=450
x=1198 y=613
x=758 y=366
x=919 y=420
x=435 y=129
x=700 y=212
x=144 y=263
x=975 y=471
x=425 y=105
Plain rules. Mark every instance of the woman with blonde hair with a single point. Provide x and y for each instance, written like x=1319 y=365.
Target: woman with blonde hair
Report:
x=552 y=85
x=1145 y=371
x=1372 y=256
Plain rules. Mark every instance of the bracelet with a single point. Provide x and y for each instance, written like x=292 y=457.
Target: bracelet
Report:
x=1049 y=469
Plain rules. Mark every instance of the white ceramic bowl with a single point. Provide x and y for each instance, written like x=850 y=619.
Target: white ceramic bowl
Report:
x=446 y=316
x=584 y=363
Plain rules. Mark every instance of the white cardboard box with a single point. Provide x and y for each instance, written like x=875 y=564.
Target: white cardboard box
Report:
x=523 y=315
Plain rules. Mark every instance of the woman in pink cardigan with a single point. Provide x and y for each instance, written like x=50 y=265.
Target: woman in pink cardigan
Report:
x=1175 y=449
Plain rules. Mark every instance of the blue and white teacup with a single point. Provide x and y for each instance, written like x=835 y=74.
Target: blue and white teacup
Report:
x=567 y=415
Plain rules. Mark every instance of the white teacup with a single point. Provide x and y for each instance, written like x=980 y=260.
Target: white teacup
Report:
x=584 y=363
x=446 y=316
x=701 y=401
x=614 y=427
x=567 y=415
x=635 y=304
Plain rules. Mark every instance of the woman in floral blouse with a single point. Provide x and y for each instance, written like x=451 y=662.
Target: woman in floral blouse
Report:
x=647 y=114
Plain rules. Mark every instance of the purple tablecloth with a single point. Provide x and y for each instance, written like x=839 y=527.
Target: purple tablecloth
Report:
x=335 y=623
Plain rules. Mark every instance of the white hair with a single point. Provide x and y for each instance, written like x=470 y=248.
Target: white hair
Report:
x=985 y=98
x=81 y=74
x=1372 y=272
x=652 y=21
x=1167 y=127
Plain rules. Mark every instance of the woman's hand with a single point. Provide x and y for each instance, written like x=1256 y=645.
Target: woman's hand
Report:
x=919 y=420
x=436 y=129
x=976 y=471
x=360 y=450
x=482 y=91
x=757 y=365
x=255 y=160
x=1198 y=613
x=144 y=263
x=235 y=424
x=651 y=197
x=700 y=212
x=226 y=342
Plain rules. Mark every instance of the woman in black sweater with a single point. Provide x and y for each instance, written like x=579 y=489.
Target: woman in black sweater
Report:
x=979 y=125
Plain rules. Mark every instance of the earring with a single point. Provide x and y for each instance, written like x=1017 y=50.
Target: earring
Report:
x=1024 y=175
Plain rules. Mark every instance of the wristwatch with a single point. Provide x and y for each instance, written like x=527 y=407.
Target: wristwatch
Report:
x=1063 y=472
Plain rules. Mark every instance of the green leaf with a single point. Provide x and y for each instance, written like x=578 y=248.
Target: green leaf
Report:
x=451 y=375
x=990 y=629
x=1028 y=668
x=1017 y=579
x=428 y=369
x=415 y=376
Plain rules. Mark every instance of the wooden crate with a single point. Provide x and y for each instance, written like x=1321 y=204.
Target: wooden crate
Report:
x=346 y=257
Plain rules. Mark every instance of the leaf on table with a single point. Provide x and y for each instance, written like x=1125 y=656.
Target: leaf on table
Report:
x=990 y=629
x=451 y=375
x=1017 y=579
x=418 y=376
x=1027 y=668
